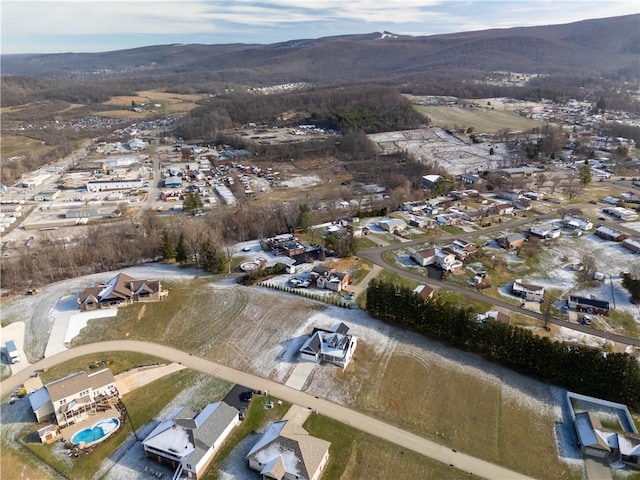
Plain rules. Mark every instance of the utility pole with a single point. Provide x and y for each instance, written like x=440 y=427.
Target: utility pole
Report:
x=126 y=412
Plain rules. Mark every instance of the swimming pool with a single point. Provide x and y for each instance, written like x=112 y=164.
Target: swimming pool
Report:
x=97 y=433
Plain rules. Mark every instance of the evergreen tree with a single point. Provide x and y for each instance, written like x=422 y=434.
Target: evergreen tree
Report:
x=304 y=221
x=213 y=260
x=192 y=202
x=584 y=173
x=168 y=250
x=182 y=250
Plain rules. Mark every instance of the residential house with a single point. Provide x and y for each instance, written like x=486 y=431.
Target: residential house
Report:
x=421 y=222
x=624 y=214
x=512 y=241
x=188 y=442
x=597 y=441
x=632 y=244
x=545 y=231
x=73 y=398
x=120 y=290
x=287 y=452
x=504 y=208
x=424 y=291
x=446 y=261
x=527 y=291
x=576 y=223
x=424 y=257
x=509 y=195
x=327 y=277
x=610 y=234
x=286 y=244
x=588 y=305
x=392 y=225
x=429 y=181
x=334 y=346
x=461 y=249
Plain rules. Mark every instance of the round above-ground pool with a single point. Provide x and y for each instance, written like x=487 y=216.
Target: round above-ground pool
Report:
x=97 y=433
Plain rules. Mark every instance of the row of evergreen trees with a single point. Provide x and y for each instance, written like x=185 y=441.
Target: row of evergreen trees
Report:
x=206 y=254
x=613 y=376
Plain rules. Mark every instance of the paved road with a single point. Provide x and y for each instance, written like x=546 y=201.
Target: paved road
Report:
x=374 y=255
x=458 y=460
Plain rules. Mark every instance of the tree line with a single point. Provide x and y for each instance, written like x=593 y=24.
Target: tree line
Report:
x=614 y=376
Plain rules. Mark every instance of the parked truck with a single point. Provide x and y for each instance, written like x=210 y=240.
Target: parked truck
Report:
x=12 y=351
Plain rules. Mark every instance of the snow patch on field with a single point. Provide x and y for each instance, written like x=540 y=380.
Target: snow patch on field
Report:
x=301 y=181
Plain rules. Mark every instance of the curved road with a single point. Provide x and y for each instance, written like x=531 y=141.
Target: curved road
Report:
x=374 y=255
x=458 y=460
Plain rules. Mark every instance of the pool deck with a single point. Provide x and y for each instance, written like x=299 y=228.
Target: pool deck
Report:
x=89 y=422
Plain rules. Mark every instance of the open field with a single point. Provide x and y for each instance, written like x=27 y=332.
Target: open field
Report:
x=170 y=103
x=17 y=146
x=354 y=454
x=482 y=120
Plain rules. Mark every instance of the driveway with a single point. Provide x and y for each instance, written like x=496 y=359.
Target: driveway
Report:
x=373 y=426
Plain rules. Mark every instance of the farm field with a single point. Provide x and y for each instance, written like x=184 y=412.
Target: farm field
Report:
x=483 y=120
x=171 y=103
x=17 y=146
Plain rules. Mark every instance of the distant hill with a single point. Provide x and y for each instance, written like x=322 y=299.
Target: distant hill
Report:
x=588 y=47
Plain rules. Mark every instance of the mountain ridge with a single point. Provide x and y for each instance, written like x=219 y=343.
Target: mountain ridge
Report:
x=586 y=47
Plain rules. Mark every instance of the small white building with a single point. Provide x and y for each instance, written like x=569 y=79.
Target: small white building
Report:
x=545 y=230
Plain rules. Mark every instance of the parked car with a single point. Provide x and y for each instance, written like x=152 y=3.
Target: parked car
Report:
x=585 y=320
x=247 y=396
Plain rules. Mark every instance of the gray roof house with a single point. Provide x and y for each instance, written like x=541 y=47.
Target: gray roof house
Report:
x=188 y=442
x=286 y=452
x=334 y=346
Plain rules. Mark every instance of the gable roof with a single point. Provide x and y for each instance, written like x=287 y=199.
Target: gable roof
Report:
x=186 y=435
x=120 y=287
x=77 y=382
x=292 y=449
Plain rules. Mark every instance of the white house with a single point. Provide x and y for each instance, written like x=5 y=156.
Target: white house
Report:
x=334 y=346
x=287 y=452
x=532 y=293
x=424 y=257
x=576 y=223
x=545 y=230
x=188 y=442
x=392 y=225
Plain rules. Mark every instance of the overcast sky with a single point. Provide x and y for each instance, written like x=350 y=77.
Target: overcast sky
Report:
x=51 y=26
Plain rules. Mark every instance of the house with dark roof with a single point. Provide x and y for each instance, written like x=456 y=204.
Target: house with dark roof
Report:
x=610 y=234
x=424 y=291
x=120 y=290
x=286 y=452
x=75 y=397
x=588 y=305
x=188 y=441
x=334 y=346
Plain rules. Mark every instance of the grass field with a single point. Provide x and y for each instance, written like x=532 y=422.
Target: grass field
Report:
x=17 y=145
x=479 y=414
x=116 y=361
x=354 y=454
x=221 y=323
x=170 y=103
x=483 y=120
